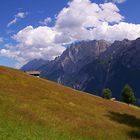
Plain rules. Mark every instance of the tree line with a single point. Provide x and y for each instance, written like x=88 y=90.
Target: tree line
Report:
x=127 y=94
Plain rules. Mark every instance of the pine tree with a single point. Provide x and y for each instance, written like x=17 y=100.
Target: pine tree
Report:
x=128 y=95
x=107 y=93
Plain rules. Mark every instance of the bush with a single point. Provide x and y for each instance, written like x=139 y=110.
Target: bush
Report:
x=107 y=93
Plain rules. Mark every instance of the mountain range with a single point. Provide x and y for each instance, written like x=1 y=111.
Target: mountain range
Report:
x=93 y=65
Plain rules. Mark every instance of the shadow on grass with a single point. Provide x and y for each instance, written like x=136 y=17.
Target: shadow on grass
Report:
x=128 y=120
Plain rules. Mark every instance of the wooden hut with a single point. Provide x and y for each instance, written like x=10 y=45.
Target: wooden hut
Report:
x=34 y=73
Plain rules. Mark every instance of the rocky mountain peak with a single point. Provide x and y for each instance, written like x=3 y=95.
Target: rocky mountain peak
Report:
x=94 y=65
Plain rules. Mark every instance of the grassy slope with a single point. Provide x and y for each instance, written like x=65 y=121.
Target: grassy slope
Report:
x=37 y=109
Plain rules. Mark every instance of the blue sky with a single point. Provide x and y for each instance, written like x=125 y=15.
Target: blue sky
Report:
x=35 y=12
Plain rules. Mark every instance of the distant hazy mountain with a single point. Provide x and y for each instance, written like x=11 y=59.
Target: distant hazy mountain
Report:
x=34 y=64
x=93 y=65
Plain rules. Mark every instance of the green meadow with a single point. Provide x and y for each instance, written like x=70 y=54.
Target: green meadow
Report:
x=37 y=109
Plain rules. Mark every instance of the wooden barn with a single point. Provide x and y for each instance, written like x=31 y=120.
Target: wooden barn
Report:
x=34 y=73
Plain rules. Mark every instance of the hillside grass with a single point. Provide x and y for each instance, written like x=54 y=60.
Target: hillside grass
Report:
x=37 y=109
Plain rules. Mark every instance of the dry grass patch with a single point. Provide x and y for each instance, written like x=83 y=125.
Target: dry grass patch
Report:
x=37 y=109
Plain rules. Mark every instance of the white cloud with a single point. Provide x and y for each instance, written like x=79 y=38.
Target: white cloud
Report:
x=72 y=23
x=33 y=43
x=17 y=17
x=118 y=31
x=80 y=20
x=115 y=1
x=1 y=40
x=93 y=14
x=46 y=21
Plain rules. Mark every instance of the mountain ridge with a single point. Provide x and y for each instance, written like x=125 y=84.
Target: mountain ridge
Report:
x=93 y=65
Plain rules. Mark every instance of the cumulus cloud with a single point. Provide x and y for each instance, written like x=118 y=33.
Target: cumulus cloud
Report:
x=118 y=31
x=33 y=43
x=17 y=17
x=96 y=21
x=73 y=24
x=46 y=21
x=115 y=1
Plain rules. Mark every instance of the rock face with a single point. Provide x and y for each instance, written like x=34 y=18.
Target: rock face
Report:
x=65 y=68
x=118 y=65
x=93 y=65
x=125 y=66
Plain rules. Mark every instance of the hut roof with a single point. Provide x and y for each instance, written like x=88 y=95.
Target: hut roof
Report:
x=33 y=72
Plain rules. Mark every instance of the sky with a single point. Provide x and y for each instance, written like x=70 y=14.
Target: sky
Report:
x=42 y=28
